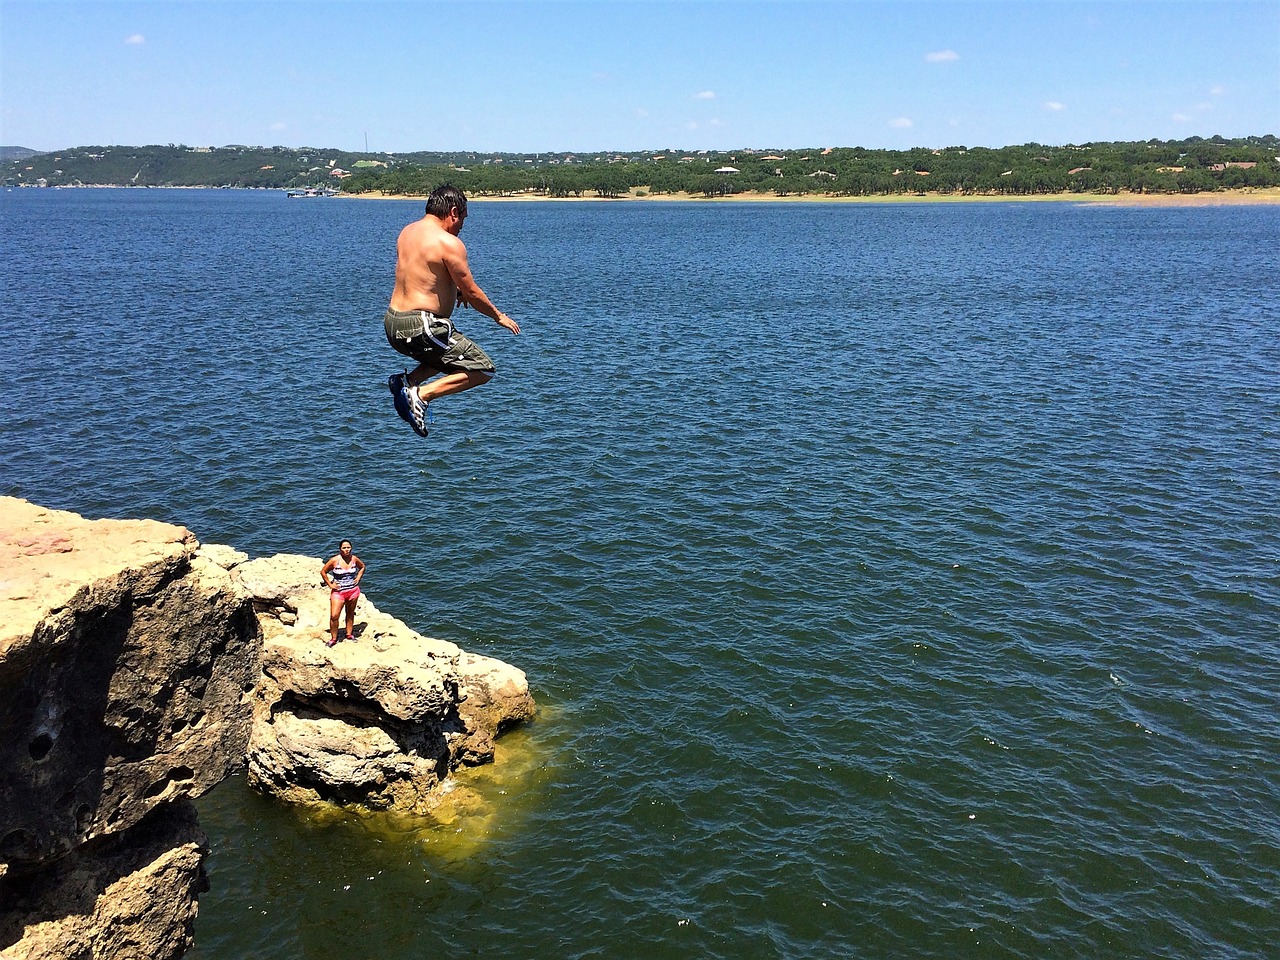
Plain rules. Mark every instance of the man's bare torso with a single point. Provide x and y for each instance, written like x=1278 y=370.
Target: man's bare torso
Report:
x=423 y=281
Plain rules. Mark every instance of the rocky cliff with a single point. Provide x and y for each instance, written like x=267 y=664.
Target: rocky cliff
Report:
x=138 y=669
x=379 y=721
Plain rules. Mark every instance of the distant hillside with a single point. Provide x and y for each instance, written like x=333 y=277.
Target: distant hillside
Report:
x=16 y=153
x=1193 y=165
x=182 y=166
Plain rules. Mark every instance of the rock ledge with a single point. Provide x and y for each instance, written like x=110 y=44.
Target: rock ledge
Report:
x=138 y=669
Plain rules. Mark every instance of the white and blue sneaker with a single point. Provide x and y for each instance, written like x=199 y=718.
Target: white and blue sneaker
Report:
x=417 y=409
x=395 y=383
x=408 y=405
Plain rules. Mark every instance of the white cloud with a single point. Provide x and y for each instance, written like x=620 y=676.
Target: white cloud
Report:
x=1217 y=90
x=279 y=126
x=901 y=123
x=1196 y=113
x=941 y=56
x=641 y=112
x=135 y=39
x=705 y=95
x=1054 y=105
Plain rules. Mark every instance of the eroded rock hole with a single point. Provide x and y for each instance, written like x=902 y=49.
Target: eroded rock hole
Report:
x=16 y=843
x=39 y=747
x=182 y=723
x=177 y=774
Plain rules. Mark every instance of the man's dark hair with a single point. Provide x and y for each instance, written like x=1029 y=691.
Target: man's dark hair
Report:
x=444 y=198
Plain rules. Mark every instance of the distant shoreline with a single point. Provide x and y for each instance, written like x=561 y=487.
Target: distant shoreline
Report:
x=1242 y=196
x=1248 y=196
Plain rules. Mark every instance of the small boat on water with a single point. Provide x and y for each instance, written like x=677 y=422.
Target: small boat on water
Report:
x=309 y=192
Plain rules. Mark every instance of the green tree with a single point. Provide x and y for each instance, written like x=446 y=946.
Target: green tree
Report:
x=607 y=180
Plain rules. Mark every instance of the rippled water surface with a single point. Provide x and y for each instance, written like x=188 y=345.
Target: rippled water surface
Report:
x=894 y=580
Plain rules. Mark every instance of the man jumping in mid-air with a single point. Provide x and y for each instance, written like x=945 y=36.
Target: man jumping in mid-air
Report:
x=432 y=277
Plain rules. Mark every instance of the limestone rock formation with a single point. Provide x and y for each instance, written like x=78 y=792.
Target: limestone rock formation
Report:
x=126 y=667
x=127 y=895
x=379 y=721
x=138 y=669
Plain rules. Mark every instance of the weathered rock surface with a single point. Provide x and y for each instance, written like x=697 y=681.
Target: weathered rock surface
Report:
x=138 y=669
x=379 y=721
x=126 y=666
x=129 y=895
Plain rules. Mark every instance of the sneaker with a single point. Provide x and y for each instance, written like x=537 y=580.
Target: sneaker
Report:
x=395 y=383
x=417 y=409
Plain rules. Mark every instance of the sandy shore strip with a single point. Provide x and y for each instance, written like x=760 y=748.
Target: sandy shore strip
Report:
x=1249 y=196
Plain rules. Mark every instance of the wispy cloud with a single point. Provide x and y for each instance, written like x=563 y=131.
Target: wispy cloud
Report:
x=705 y=95
x=279 y=125
x=1054 y=106
x=135 y=39
x=941 y=56
x=1217 y=90
x=901 y=123
x=1197 y=111
x=641 y=112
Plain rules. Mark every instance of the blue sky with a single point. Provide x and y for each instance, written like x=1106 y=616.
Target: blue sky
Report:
x=557 y=75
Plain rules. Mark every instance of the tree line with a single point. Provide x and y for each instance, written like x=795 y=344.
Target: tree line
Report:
x=1194 y=165
x=179 y=165
x=1191 y=166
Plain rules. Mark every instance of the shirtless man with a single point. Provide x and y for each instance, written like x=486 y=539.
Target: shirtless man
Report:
x=432 y=277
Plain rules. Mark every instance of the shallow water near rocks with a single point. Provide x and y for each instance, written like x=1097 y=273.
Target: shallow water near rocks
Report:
x=894 y=581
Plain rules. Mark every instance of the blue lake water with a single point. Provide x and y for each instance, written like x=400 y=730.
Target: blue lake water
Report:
x=894 y=580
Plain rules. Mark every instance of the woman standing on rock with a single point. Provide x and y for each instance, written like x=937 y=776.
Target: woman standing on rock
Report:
x=342 y=575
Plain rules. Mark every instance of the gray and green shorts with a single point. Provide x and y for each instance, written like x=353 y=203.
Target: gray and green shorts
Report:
x=434 y=341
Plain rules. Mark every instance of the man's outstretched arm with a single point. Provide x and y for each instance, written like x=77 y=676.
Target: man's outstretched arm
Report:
x=469 y=292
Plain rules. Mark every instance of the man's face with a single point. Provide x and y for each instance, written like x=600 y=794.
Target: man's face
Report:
x=455 y=221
